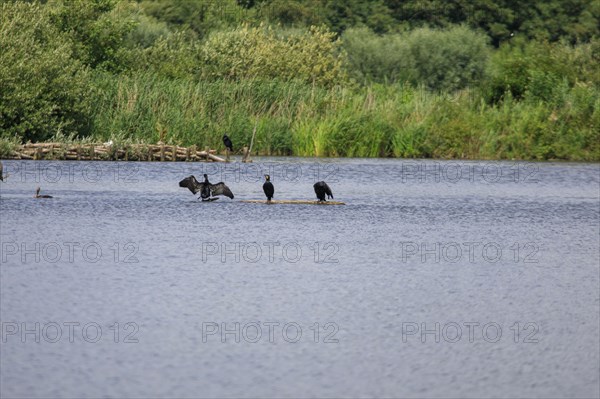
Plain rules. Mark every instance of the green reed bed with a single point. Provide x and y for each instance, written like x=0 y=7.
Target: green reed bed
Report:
x=295 y=118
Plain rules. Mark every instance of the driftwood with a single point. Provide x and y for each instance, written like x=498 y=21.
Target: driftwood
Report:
x=302 y=202
x=129 y=152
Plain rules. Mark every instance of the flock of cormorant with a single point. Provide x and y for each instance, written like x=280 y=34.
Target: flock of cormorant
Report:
x=209 y=191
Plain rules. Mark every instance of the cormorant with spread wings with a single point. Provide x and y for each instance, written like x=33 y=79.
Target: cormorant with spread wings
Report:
x=206 y=189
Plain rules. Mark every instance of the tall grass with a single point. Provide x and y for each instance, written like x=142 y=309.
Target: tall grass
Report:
x=294 y=118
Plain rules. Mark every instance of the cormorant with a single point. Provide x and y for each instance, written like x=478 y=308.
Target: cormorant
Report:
x=321 y=188
x=206 y=189
x=37 y=194
x=268 y=188
x=228 y=143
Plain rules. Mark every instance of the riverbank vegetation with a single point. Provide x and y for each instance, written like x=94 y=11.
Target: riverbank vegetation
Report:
x=315 y=77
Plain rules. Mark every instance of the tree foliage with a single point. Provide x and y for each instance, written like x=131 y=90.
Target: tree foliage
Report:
x=98 y=28
x=539 y=71
x=552 y=20
x=260 y=52
x=44 y=87
x=447 y=59
x=198 y=16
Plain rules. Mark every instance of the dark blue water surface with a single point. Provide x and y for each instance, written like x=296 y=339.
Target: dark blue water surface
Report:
x=436 y=279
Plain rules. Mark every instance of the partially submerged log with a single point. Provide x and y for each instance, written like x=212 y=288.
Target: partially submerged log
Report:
x=301 y=202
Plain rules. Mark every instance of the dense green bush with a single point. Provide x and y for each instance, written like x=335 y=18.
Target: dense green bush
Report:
x=198 y=16
x=541 y=71
x=574 y=20
x=174 y=56
x=448 y=59
x=146 y=32
x=98 y=29
x=44 y=88
x=261 y=52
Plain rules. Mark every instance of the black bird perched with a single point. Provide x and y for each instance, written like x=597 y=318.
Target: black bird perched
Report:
x=37 y=194
x=268 y=188
x=205 y=188
x=321 y=188
x=228 y=143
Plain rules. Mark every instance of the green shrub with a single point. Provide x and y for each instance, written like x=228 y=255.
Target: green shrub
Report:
x=175 y=55
x=44 y=87
x=442 y=60
x=541 y=71
x=246 y=53
x=198 y=16
x=98 y=28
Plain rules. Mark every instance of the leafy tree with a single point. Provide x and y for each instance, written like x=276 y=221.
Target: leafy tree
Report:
x=337 y=15
x=146 y=32
x=448 y=59
x=99 y=29
x=173 y=56
x=576 y=20
x=199 y=16
x=44 y=86
x=291 y=12
x=261 y=53
x=540 y=71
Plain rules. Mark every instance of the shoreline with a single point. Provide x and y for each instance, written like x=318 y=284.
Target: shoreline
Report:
x=103 y=156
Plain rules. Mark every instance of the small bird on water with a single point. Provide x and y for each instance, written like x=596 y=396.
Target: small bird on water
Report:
x=228 y=143
x=37 y=194
x=321 y=188
x=268 y=188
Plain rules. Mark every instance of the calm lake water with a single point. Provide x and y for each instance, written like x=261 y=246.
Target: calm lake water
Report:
x=436 y=279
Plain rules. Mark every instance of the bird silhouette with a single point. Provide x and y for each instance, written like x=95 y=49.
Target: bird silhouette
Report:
x=37 y=194
x=321 y=188
x=228 y=143
x=206 y=189
x=268 y=188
